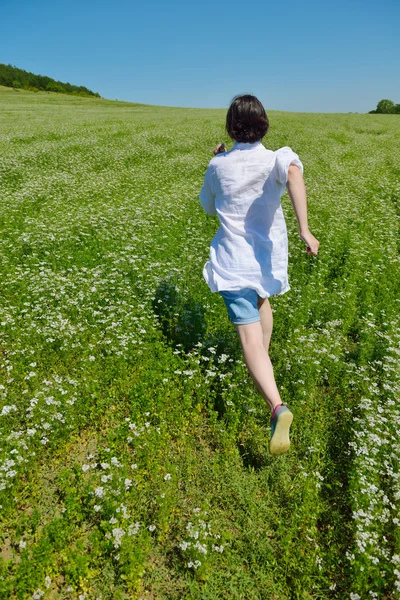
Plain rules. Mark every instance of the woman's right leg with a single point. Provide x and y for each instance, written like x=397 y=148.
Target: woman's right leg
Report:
x=258 y=362
x=255 y=339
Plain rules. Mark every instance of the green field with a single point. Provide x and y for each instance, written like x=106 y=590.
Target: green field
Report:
x=134 y=456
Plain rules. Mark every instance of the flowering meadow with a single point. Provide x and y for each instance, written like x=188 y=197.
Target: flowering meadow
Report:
x=134 y=456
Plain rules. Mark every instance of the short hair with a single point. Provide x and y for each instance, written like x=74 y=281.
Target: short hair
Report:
x=246 y=120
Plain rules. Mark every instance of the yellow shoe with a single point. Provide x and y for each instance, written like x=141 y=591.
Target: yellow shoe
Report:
x=281 y=421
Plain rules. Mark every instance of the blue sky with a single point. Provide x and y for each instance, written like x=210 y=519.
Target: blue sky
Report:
x=310 y=56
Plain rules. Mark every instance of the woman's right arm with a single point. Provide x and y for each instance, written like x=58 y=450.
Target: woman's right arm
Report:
x=297 y=192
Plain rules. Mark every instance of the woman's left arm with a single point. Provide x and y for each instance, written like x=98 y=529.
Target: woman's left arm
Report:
x=207 y=194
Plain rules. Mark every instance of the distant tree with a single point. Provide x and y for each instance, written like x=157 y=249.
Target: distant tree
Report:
x=52 y=86
x=385 y=107
x=396 y=109
x=11 y=76
x=5 y=76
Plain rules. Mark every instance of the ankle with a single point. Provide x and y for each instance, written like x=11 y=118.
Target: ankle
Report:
x=273 y=413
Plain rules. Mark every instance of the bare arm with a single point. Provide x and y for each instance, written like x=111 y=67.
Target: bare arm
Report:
x=297 y=192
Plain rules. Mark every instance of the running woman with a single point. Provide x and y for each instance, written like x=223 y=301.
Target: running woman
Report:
x=248 y=260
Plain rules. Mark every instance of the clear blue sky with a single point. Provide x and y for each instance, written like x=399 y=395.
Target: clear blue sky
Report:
x=315 y=55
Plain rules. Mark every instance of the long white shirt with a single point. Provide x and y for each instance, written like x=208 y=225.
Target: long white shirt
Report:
x=250 y=249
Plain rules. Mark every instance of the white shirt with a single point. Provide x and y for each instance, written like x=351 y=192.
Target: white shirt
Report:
x=250 y=249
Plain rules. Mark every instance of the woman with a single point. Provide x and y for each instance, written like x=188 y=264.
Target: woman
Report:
x=249 y=253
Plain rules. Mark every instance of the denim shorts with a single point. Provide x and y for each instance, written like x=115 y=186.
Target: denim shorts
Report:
x=242 y=305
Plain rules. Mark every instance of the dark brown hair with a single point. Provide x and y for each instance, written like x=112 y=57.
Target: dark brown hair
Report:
x=246 y=120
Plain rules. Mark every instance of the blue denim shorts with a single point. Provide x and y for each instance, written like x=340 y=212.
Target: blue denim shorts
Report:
x=242 y=305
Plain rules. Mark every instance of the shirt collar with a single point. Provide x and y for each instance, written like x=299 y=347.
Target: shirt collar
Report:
x=246 y=145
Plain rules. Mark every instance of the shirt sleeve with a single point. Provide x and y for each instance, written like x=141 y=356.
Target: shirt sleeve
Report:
x=284 y=158
x=207 y=194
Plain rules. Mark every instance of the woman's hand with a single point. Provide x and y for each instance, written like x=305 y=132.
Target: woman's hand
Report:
x=219 y=149
x=311 y=241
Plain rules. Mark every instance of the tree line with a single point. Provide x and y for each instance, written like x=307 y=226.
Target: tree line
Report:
x=386 y=107
x=19 y=79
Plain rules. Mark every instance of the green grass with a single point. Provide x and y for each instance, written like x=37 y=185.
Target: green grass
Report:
x=134 y=443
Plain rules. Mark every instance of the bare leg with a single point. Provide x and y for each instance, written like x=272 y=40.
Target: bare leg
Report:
x=253 y=339
x=265 y=310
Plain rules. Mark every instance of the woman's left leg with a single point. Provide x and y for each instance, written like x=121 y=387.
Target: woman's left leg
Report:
x=265 y=311
x=258 y=361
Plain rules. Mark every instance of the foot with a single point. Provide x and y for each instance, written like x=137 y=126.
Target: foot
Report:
x=281 y=421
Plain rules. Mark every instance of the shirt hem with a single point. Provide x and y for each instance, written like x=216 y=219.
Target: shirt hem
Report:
x=214 y=286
